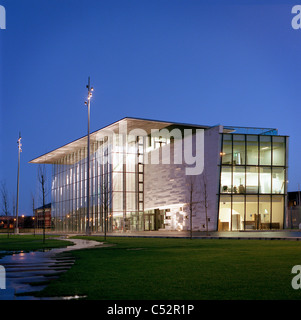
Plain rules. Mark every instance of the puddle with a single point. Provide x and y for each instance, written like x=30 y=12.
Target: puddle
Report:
x=40 y=266
x=73 y=297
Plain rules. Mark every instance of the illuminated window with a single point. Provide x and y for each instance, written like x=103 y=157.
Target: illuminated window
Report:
x=227 y=149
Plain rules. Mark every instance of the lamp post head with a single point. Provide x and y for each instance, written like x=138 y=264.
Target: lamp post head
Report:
x=19 y=143
x=90 y=90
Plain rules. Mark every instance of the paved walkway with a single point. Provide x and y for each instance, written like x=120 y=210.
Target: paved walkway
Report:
x=264 y=235
x=38 y=266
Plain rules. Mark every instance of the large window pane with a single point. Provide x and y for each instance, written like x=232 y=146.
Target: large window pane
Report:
x=130 y=182
x=226 y=180
x=227 y=149
x=265 y=150
x=265 y=180
x=278 y=151
x=277 y=212
x=239 y=153
x=252 y=221
x=224 y=213
x=117 y=201
x=118 y=221
x=238 y=212
x=238 y=180
x=130 y=162
x=278 y=180
x=265 y=212
x=117 y=181
x=252 y=150
x=252 y=180
x=131 y=201
x=131 y=144
x=117 y=161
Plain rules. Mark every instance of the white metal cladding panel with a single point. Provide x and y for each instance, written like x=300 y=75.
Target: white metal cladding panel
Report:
x=167 y=184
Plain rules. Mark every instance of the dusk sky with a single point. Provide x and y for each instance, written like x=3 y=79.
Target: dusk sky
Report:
x=192 y=61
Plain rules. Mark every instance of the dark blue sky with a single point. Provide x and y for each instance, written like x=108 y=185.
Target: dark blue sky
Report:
x=188 y=61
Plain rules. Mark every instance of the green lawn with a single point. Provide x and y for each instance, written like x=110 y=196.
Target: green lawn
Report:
x=147 y=269
x=29 y=242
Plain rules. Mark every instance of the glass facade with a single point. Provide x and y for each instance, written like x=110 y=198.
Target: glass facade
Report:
x=252 y=182
x=116 y=187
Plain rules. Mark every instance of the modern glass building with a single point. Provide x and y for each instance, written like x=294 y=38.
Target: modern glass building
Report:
x=152 y=175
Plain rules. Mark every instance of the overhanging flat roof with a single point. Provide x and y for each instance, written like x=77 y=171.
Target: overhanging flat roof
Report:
x=129 y=123
x=250 y=130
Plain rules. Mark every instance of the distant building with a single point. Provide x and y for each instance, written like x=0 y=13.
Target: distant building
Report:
x=294 y=198
x=294 y=209
x=39 y=216
x=10 y=222
x=7 y=222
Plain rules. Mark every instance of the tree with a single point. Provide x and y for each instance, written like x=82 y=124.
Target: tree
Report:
x=14 y=206
x=5 y=205
x=191 y=184
x=105 y=206
x=106 y=201
x=42 y=181
x=198 y=194
x=205 y=198
x=106 y=190
x=33 y=215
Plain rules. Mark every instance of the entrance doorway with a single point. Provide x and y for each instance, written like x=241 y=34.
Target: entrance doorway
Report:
x=154 y=220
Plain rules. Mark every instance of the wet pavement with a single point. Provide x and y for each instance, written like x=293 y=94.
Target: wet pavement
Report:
x=22 y=269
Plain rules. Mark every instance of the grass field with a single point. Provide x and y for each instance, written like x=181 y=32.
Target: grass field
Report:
x=29 y=242
x=171 y=269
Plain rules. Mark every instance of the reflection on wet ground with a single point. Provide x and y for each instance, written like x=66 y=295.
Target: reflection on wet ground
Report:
x=27 y=271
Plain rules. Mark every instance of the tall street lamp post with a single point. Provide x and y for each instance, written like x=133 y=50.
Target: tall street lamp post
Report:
x=90 y=90
x=17 y=206
x=34 y=226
